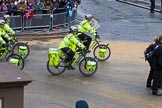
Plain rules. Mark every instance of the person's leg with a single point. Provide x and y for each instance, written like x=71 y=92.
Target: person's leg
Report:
x=161 y=6
x=156 y=80
x=150 y=77
x=89 y=39
x=86 y=38
x=69 y=54
x=152 y=6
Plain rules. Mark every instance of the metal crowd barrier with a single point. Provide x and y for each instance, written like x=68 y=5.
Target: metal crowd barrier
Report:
x=16 y=22
x=37 y=21
x=45 y=20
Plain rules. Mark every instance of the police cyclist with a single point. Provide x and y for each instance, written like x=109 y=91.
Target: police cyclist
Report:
x=4 y=38
x=6 y=27
x=83 y=28
x=69 y=44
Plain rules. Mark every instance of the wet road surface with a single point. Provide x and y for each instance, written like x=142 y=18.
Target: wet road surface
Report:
x=122 y=21
x=119 y=82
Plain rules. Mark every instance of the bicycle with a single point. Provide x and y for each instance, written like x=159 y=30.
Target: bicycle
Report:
x=100 y=51
x=56 y=65
x=20 y=48
x=6 y=54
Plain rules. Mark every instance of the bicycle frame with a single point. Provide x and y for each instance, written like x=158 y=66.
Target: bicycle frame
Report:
x=93 y=44
x=77 y=58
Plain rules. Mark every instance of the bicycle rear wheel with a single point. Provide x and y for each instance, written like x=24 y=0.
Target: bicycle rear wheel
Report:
x=21 y=49
x=102 y=54
x=88 y=66
x=56 y=70
x=16 y=60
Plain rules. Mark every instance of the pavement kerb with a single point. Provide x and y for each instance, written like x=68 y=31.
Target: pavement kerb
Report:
x=137 y=5
x=42 y=34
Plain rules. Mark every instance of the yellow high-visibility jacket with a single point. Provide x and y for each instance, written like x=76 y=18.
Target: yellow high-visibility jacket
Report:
x=71 y=42
x=85 y=26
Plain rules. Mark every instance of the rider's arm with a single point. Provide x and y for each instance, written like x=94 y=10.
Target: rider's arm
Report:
x=90 y=29
x=2 y=42
x=6 y=36
x=76 y=41
x=8 y=29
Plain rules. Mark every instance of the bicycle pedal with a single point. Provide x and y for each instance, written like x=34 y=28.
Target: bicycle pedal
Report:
x=70 y=68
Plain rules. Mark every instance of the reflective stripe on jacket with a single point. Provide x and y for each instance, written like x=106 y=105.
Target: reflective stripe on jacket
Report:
x=2 y=42
x=3 y=34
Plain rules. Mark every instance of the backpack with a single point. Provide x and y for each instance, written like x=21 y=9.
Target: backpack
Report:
x=150 y=51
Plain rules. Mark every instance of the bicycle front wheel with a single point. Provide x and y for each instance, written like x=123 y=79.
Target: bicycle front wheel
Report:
x=102 y=52
x=21 y=49
x=88 y=66
x=56 y=70
x=16 y=60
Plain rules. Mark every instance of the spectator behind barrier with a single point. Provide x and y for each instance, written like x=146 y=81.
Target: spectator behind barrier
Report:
x=30 y=3
x=3 y=9
x=28 y=13
x=70 y=6
x=48 y=4
x=22 y=6
x=38 y=7
x=62 y=6
x=12 y=9
x=55 y=6
x=48 y=7
x=70 y=3
x=77 y=2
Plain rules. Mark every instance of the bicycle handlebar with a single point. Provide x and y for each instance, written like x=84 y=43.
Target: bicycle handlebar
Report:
x=81 y=51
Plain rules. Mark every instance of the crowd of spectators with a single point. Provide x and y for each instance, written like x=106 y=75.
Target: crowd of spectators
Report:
x=21 y=7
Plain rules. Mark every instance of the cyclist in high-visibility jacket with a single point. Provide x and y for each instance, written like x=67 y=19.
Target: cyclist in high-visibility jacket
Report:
x=83 y=28
x=69 y=44
x=6 y=27
x=4 y=38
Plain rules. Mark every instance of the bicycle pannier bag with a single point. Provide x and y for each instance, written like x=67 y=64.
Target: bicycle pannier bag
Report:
x=53 y=55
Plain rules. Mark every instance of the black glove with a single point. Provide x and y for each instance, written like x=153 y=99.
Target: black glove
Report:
x=97 y=37
x=78 y=49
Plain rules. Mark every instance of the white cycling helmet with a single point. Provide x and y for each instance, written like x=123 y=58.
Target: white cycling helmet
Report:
x=88 y=16
x=2 y=21
x=6 y=16
x=73 y=29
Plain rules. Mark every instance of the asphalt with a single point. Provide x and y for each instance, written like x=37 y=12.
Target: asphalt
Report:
x=38 y=97
x=119 y=82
